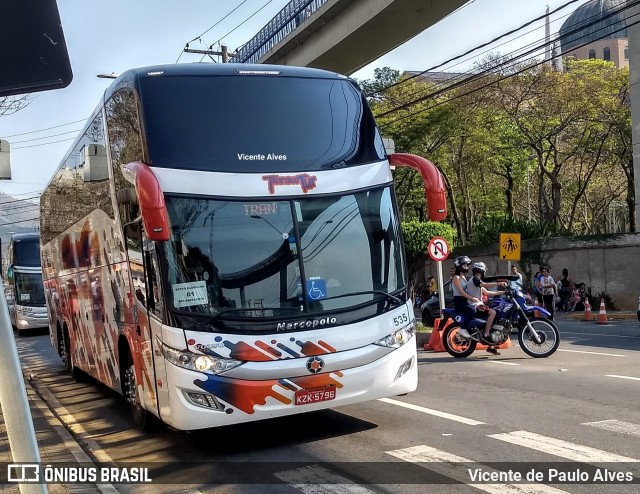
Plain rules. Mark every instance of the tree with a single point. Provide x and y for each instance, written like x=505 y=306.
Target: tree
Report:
x=417 y=236
x=13 y=104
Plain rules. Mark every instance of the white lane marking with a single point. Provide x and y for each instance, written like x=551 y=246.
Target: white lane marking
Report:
x=558 y=447
x=499 y=362
x=431 y=411
x=616 y=426
x=592 y=353
x=458 y=468
x=600 y=334
x=623 y=377
x=315 y=479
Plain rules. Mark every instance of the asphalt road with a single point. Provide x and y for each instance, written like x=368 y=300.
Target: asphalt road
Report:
x=566 y=416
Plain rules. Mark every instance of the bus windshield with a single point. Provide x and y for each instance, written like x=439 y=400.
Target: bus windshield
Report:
x=29 y=289
x=257 y=124
x=279 y=258
x=26 y=252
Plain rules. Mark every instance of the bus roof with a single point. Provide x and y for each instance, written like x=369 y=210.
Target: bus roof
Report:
x=128 y=78
x=19 y=237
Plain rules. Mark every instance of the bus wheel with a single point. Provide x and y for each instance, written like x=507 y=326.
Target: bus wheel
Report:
x=67 y=357
x=143 y=419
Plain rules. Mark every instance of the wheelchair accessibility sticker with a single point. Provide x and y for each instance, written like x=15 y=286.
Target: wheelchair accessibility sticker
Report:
x=316 y=289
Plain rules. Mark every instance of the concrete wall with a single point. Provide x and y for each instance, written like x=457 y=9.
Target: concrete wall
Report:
x=610 y=264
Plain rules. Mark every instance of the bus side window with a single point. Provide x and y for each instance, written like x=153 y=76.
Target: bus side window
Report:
x=153 y=280
x=133 y=239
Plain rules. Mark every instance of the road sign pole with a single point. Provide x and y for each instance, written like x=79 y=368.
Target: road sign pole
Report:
x=440 y=286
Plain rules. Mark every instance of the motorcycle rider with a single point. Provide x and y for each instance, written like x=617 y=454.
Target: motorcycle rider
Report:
x=468 y=302
x=463 y=302
x=477 y=287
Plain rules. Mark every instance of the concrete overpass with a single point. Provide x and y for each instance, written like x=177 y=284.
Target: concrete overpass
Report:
x=341 y=35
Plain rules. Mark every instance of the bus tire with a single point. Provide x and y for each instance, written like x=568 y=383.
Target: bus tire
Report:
x=67 y=357
x=143 y=419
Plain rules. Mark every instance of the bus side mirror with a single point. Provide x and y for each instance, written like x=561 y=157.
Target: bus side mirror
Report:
x=10 y=273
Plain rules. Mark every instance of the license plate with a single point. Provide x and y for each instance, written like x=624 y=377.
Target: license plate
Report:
x=307 y=396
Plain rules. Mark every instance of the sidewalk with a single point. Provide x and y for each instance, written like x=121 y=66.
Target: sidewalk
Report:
x=55 y=443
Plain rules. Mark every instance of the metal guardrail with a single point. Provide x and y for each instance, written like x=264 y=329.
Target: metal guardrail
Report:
x=277 y=29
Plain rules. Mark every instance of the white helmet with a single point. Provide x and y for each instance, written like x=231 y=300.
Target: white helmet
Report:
x=479 y=267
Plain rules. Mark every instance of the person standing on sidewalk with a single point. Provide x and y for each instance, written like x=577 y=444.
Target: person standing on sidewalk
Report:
x=549 y=290
x=565 y=290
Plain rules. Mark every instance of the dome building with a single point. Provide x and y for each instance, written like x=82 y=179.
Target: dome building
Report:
x=597 y=29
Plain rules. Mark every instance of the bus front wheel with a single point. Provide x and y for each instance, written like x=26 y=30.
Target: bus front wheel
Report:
x=143 y=419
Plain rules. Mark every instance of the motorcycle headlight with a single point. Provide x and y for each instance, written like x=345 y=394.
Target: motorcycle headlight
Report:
x=399 y=337
x=197 y=361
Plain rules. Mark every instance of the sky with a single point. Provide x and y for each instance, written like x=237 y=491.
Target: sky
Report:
x=111 y=37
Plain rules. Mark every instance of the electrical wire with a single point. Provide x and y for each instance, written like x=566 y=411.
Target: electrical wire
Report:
x=483 y=45
x=507 y=61
x=496 y=80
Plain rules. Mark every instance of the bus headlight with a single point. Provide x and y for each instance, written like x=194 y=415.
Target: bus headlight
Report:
x=399 y=337
x=196 y=361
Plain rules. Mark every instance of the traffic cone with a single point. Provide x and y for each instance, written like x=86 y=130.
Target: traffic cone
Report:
x=588 y=316
x=536 y=313
x=436 y=338
x=602 y=317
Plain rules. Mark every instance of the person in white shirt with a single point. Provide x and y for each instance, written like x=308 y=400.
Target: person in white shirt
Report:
x=549 y=290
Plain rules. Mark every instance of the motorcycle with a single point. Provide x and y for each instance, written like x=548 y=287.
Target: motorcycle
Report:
x=538 y=336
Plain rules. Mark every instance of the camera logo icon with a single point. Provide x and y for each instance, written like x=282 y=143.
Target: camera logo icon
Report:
x=23 y=472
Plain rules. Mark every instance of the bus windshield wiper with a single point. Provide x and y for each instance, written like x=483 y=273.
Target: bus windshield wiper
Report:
x=395 y=299
x=245 y=309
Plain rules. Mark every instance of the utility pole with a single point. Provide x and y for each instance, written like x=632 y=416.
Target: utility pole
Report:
x=223 y=52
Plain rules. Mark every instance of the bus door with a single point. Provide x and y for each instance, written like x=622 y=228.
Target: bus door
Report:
x=147 y=317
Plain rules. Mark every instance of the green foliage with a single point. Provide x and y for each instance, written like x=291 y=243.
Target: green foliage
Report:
x=417 y=235
x=488 y=229
x=416 y=239
x=609 y=303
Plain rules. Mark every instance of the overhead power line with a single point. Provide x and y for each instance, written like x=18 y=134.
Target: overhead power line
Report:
x=492 y=82
x=507 y=61
x=47 y=128
x=483 y=45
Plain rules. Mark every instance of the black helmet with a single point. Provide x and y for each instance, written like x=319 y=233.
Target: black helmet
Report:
x=460 y=260
x=479 y=267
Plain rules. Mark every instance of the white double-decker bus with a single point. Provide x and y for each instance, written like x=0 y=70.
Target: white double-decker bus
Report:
x=25 y=292
x=221 y=244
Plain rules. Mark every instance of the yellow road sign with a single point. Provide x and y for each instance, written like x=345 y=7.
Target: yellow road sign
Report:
x=510 y=246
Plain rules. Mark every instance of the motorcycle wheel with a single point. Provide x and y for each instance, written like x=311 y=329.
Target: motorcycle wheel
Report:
x=455 y=345
x=549 y=336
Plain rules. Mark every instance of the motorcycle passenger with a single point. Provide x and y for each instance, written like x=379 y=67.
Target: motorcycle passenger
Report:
x=463 y=303
x=477 y=287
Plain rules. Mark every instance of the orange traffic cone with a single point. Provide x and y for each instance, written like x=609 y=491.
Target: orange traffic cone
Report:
x=536 y=313
x=602 y=317
x=436 y=338
x=588 y=316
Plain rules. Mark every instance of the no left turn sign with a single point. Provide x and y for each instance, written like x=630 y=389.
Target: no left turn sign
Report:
x=438 y=249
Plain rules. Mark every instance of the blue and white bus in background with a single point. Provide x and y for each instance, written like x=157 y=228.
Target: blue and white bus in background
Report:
x=23 y=284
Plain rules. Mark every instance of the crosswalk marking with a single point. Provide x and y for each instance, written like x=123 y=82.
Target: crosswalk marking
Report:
x=456 y=467
x=561 y=448
x=315 y=479
x=431 y=411
x=616 y=426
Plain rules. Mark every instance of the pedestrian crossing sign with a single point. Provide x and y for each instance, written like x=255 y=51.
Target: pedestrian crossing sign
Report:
x=510 y=246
